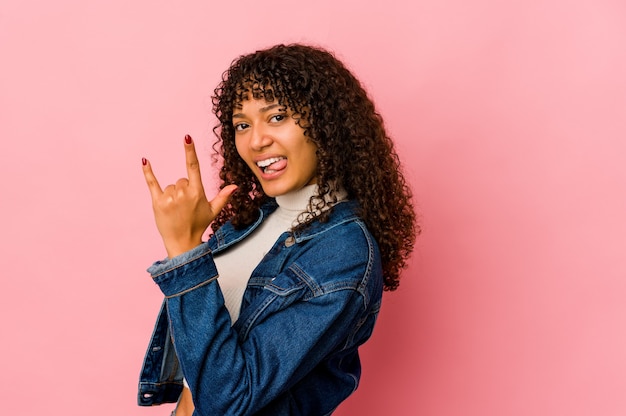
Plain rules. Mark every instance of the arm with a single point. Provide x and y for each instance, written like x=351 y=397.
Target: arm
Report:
x=184 y=407
x=231 y=374
x=295 y=330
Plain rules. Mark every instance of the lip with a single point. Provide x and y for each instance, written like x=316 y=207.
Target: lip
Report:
x=268 y=176
x=258 y=159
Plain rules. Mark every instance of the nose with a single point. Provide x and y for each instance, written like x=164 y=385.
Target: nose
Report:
x=260 y=138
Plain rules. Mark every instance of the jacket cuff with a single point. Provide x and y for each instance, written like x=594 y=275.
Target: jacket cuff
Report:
x=185 y=272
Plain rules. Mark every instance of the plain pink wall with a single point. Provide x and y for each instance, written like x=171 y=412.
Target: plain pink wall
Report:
x=509 y=116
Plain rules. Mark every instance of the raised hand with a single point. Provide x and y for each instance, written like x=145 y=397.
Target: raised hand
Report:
x=182 y=211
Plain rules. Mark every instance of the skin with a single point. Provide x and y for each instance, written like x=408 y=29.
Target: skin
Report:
x=182 y=211
x=185 y=406
x=265 y=132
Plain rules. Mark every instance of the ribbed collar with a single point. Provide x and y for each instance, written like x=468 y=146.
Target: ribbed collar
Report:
x=296 y=201
x=299 y=200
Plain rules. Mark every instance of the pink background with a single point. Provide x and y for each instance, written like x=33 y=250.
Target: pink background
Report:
x=509 y=116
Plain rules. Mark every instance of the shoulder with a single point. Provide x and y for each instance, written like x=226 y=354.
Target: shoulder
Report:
x=228 y=235
x=339 y=254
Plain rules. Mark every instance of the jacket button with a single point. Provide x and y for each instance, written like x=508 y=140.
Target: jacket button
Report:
x=290 y=241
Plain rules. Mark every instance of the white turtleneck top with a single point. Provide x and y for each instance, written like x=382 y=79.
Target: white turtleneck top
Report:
x=236 y=266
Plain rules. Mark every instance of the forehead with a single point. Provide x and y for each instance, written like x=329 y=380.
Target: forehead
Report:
x=247 y=99
x=252 y=88
x=268 y=91
x=256 y=106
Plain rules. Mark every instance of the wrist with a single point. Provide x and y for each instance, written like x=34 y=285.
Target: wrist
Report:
x=178 y=248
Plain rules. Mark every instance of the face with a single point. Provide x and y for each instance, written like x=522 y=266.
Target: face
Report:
x=274 y=146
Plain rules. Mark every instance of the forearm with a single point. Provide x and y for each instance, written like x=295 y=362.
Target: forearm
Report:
x=240 y=373
x=178 y=247
x=275 y=355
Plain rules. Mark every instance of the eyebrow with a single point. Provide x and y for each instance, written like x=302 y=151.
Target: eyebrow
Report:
x=261 y=110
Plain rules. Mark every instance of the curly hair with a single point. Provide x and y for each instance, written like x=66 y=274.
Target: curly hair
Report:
x=354 y=150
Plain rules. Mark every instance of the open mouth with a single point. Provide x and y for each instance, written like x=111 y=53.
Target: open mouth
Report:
x=273 y=164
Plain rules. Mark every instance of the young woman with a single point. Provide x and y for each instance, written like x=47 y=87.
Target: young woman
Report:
x=313 y=221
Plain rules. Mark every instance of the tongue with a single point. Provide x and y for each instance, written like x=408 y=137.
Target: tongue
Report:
x=280 y=165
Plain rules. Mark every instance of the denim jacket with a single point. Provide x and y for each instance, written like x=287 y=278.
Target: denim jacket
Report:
x=309 y=304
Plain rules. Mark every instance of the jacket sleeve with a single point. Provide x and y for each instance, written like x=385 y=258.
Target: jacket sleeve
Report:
x=300 y=323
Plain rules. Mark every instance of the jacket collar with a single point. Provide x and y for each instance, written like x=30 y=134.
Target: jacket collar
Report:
x=227 y=235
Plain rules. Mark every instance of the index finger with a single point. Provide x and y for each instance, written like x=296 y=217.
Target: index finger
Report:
x=193 y=165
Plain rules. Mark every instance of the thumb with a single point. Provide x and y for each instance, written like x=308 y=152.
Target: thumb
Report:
x=221 y=199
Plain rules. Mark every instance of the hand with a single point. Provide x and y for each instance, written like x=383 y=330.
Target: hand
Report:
x=182 y=211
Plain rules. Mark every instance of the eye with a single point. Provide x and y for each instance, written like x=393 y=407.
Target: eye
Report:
x=277 y=118
x=241 y=126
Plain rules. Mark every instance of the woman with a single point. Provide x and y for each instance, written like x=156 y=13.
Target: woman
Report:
x=312 y=222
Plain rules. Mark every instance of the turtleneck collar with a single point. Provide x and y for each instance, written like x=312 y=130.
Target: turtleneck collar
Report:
x=292 y=204
x=297 y=200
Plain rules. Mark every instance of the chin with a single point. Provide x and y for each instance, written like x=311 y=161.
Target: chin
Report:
x=274 y=190
x=273 y=193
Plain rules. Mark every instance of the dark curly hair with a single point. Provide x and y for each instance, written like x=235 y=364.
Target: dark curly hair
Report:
x=353 y=149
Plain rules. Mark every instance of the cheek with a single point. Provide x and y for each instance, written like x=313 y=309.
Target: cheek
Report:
x=313 y=155
x=314 y=165
x=241 y=151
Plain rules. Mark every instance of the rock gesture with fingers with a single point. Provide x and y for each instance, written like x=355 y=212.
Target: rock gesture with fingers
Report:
x=182 y=211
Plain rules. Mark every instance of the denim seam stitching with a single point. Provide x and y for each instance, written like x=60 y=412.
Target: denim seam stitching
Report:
x=206 y=282
x=250 y=322
x=182 y=264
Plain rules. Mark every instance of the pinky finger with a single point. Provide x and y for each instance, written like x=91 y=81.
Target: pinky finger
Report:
x=151 y=180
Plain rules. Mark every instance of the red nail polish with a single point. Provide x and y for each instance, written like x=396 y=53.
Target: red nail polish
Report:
x=144 y=161
x=187 y=139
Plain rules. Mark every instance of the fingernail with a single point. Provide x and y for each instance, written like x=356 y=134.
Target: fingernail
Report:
x=144 y=161
x=187 y=139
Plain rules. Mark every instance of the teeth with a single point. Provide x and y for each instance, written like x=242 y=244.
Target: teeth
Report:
x=265 y=163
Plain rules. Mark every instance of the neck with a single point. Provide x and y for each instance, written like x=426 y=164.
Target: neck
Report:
x=297 y=200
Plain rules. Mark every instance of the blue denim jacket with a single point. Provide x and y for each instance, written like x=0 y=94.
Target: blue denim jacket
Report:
x=308 y=306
